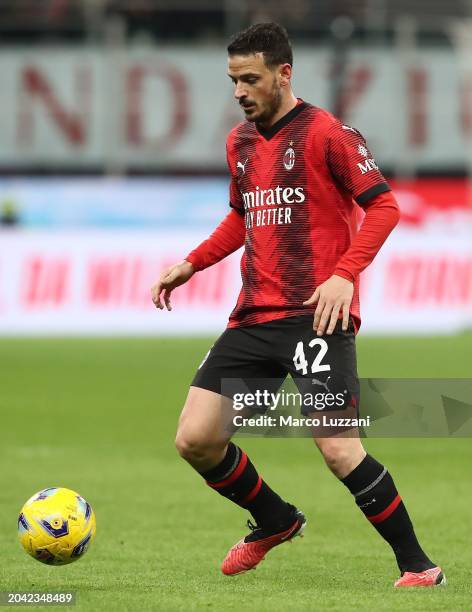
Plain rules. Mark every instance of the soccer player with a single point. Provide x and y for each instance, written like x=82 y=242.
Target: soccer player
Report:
x=297 y=176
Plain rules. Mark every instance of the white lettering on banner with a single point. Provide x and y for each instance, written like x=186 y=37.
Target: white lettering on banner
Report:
x=99 y=282
x=159 y=108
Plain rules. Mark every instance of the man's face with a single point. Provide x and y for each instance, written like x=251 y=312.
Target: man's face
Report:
x=257 y=87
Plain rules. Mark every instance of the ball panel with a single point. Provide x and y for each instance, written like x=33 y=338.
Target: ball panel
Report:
x=23 y=525
x=56 y=526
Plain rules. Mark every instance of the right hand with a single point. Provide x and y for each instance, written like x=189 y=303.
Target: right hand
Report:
x=171 y=278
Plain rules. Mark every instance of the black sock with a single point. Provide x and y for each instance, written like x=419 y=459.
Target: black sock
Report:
x=237 y=479
x=378 y=498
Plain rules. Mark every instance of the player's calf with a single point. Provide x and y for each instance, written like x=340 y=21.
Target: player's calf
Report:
x=377 y=497
x=236 y=478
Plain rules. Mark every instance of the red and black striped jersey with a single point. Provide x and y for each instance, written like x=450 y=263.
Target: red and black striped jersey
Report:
x=295 y=184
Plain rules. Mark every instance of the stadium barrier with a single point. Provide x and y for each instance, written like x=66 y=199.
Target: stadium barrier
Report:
x=98 y=282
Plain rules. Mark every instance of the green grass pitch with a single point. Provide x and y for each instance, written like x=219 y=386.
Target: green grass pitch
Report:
x=99 y=416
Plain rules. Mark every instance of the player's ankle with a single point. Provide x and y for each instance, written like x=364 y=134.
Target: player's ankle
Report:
x=415 y=564
x=277 y=519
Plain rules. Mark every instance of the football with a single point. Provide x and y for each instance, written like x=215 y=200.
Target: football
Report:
x=56 y=526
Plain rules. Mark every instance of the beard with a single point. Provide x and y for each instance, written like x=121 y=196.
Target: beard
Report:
x=270 y=107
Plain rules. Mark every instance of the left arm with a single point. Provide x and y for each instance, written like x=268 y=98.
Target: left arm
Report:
x=353 y=167
x=382 y=215
x=335 y=294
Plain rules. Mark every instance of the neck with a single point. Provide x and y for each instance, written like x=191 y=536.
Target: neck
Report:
x=286 y=106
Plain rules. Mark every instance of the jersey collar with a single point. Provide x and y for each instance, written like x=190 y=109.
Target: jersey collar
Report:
x=282 y=122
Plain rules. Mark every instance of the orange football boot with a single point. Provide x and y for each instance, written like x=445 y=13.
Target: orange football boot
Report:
x=251 y=550
x=427 y=578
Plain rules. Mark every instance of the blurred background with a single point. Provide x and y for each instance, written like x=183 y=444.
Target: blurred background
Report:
x=112 y=153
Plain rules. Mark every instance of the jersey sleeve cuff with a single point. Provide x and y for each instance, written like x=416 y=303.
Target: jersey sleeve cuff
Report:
x=237 y=209
x=193 y=259
x=344 y=274
x=376 y=190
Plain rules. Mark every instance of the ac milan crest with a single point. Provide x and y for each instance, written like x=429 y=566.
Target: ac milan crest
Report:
x=289 y=158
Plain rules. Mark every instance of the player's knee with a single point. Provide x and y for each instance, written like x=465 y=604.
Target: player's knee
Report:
x=191 y=447
x=341 y=456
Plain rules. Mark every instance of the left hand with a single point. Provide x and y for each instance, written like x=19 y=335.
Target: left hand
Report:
x=332 y=296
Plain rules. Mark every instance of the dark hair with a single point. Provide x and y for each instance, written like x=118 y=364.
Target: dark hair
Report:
x=271 y=39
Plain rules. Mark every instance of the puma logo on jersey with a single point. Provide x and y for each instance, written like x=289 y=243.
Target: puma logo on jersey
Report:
x=242 y=166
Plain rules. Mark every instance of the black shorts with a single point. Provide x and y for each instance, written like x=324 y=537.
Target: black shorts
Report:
x=261 y=356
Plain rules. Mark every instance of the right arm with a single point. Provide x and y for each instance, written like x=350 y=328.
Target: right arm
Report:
x=227 y=238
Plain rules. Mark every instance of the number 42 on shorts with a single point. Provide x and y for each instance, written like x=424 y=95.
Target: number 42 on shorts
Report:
x=301 y=362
